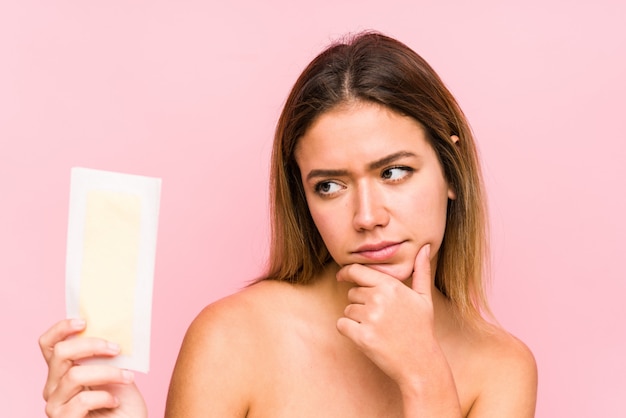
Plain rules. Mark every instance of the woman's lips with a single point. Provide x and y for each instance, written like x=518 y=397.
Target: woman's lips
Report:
x=378 y=252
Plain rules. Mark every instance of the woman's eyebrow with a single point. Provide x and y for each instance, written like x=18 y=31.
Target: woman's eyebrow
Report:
x=326 y=173
x=390 y=159
x=371 y=166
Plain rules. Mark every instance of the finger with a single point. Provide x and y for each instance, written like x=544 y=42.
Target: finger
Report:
x=79 y=377
x=348 y=328
x=75 y=349
x=361 y=336
x=358 y=294
x=421 y=272
x=59 y=332
x=359 y=275
x=82 y=403
x=357 y=313
x=67 y=352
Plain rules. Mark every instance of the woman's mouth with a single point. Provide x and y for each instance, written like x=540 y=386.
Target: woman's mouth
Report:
x=378 y=252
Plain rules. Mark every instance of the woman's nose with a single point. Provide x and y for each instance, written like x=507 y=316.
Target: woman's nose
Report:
x=370 y=211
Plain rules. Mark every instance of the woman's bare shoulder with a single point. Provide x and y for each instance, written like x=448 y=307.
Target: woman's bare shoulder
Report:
x=243 y=312
x=222 y=353
x=494 y=341
x=508 y=372
x=261 y=296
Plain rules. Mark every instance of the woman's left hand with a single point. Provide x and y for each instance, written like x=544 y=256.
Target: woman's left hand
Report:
x=393 y=324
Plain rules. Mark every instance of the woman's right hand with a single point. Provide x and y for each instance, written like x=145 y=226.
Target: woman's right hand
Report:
x=90 y=390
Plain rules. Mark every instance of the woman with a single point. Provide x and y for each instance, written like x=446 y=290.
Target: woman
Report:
x=373 y=300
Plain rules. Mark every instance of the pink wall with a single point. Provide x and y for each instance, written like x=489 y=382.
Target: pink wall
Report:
x=189 y=91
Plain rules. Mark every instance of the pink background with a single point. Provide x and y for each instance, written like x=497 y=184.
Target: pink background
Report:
x=189 y=91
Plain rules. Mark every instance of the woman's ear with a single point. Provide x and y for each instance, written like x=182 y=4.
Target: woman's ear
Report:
x=451 y=191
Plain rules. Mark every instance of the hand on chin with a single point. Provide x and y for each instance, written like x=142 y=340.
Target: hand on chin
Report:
x=397 y=271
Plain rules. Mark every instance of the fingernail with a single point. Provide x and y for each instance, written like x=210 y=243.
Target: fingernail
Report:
x=77 y=323
x=428 y=250
x=127 y=376
x=114 y=348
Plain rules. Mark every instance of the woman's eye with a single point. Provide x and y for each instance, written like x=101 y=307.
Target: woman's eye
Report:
x=325 y=188
x=396 y=173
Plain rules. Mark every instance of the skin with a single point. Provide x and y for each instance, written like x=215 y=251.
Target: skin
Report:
x=88 y=390
x=371 y=336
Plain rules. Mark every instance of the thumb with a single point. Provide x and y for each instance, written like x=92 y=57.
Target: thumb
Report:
x=421 y=272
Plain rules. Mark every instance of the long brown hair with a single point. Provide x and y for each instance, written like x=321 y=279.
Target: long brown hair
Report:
x=372 y=67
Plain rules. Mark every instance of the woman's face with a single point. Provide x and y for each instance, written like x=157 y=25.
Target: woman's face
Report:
x=374 y=187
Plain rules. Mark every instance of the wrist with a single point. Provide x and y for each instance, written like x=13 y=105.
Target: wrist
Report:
x=431 y=392
x=431 y=402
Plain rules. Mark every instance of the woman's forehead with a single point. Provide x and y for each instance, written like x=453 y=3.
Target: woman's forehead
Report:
x=361 y=130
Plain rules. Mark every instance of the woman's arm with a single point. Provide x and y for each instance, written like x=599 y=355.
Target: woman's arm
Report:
x=211 y=377
x=509 y=386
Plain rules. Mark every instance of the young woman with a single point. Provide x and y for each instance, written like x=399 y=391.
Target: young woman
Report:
x=373 y=301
